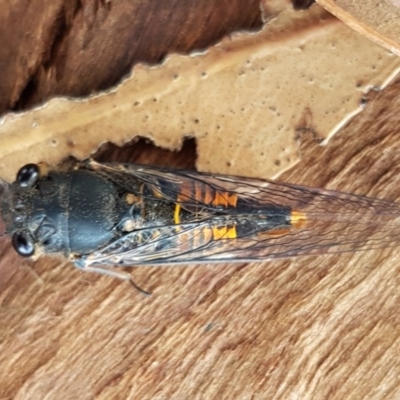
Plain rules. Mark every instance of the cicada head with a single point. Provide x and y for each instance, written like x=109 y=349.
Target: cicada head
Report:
x=14 y=211
x=32 y=213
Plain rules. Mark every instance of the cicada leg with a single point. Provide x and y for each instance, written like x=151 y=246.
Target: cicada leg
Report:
x=124 y=276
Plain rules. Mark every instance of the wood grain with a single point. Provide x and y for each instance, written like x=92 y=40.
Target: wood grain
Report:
x=378 y=21
x=75 y=47
x=310 y=328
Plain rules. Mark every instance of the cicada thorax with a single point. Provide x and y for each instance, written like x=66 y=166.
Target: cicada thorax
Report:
x=77 y=211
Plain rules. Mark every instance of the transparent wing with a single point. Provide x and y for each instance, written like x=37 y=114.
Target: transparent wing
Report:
x=285 y=220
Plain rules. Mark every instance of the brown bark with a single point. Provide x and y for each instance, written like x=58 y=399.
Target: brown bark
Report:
x=75 y=47
x=375 y=20
x=311 y=328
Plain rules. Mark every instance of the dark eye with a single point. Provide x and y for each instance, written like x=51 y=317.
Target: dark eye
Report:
x=28 y=175
x=23 y=245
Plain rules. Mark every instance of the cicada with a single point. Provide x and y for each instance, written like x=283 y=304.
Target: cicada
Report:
x=101 y=215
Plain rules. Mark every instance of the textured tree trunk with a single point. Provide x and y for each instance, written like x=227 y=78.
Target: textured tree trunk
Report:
x=308 y=328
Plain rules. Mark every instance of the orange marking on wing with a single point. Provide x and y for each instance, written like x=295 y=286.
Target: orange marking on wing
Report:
x=198 y=191
x=219 y=200
x=225 y=199
x=201 y=237
x=208 y=195
x=298 y=218
x=185 y=194
x=224 y=232
x=275 y=232
x=232 y=199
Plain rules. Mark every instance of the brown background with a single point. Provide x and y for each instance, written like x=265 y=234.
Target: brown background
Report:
x=317 y=327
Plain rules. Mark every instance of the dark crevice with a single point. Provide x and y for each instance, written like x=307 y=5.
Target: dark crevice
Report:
x=302 y=4
x=143 y=151
x=27 y=93
x=57 y=34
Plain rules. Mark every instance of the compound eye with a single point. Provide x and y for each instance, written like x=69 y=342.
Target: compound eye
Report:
x=28 y=175
x=23 y=245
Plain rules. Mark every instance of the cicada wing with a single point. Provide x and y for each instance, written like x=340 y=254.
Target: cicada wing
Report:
x=190 y=188
x=187 y=245
x=318 y=221
x=150 y=245
x=195 y=243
